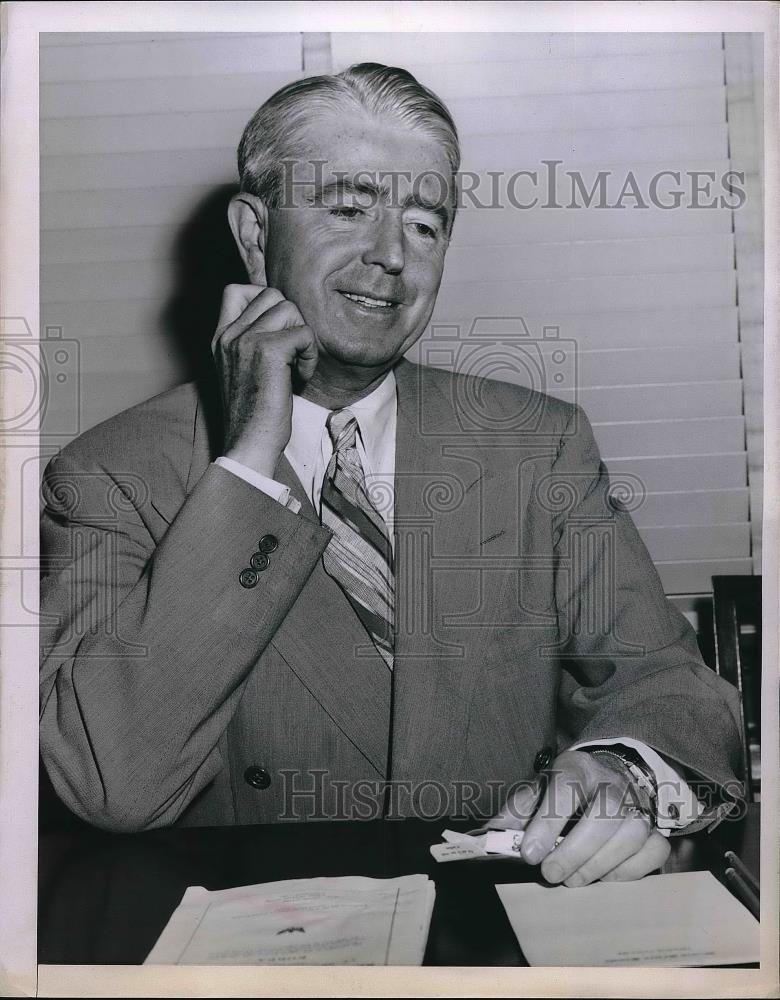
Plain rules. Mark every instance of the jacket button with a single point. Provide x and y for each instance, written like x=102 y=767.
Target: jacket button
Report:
x=257 y=777
x=259 y=561
x=543 y=759
x=247 y=578
x=268 y=544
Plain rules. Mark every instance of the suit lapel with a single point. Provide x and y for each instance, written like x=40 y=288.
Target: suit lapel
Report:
x=321 y=639
x=325 y=645
x=437 y=512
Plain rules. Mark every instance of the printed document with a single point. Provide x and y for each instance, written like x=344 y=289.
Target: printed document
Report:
x=318 y=921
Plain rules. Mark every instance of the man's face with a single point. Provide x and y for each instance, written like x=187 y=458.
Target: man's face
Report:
x=360 y=249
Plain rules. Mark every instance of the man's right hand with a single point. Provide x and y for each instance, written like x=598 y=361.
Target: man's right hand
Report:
x=260 y=343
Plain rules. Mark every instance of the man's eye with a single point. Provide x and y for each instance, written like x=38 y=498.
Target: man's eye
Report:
x=423 y=229
x=346 y=212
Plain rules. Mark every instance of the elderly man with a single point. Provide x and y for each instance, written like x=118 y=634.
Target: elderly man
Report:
x=349 y=598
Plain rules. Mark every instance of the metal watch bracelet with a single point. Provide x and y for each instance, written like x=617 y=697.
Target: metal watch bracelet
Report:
x=641 y=775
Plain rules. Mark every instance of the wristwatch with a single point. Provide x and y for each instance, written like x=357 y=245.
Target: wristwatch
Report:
x=641 y=774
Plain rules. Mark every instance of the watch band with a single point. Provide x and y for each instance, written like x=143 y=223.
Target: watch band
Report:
x=642 y=775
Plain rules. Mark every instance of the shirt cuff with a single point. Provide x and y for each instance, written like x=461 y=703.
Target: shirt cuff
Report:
x=676 y=804
x=278 y=491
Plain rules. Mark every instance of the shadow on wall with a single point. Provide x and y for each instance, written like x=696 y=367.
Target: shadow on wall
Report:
x=205 y=259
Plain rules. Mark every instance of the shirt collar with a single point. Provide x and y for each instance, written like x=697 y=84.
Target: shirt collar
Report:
x=372 y=413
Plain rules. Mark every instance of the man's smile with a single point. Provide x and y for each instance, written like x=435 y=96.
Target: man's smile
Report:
x=370 y=302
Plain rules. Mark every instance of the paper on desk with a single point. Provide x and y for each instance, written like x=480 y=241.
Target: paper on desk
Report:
x=464 y=846
x=319 y=921
x=676 y=920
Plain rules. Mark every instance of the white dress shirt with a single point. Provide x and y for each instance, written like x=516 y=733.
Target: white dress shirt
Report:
x=309 y=450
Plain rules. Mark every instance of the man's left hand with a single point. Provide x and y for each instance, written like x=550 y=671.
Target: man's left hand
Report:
x=613 y=840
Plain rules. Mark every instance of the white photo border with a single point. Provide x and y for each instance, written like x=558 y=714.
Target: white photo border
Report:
x=19 y=257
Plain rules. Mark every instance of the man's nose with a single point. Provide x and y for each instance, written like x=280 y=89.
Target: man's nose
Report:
x=386 y=245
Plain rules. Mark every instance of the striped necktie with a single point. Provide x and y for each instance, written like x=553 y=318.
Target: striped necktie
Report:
x=359 y=556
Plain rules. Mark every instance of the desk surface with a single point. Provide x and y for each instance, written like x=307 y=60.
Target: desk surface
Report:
x=105 y=898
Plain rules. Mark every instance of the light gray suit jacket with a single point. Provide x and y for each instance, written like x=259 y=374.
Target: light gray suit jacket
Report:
x=529 y=614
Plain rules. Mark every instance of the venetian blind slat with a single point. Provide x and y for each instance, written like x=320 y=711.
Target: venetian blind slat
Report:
x=402 y=48
x=170 y=56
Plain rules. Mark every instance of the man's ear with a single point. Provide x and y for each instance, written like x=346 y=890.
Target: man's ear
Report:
x=248 y=218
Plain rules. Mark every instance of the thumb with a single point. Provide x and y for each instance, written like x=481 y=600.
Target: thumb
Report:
x=235 y=299
x=519 y=808
x=306 y=358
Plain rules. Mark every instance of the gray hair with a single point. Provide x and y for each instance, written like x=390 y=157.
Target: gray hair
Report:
x=275 y=131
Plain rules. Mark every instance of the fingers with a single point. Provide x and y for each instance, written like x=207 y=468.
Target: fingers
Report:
x=593 y=831
x=235 y=299
x=245 y=303
x=248 y=308
x=307 y=356
x=518 y=809
x=300 y=349
x=567 y=792
x=628 y=838
x=282 y=315
x=651 y=856
x=262 y=351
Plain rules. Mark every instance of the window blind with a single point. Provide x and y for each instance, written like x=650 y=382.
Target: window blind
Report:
x=137 y=132
x=645 y=298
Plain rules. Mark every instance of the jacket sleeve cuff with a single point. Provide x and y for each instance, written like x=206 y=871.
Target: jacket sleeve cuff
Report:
x=676 y=805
